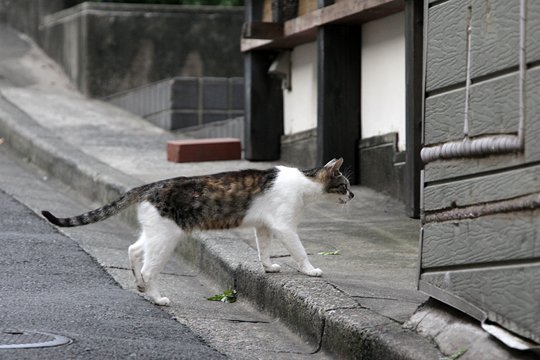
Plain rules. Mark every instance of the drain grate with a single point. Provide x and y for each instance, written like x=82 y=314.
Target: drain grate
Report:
x=16 y=339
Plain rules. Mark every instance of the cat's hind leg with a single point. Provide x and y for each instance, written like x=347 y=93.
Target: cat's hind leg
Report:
x=136 y=253
x=263 y=236
x=161 y=237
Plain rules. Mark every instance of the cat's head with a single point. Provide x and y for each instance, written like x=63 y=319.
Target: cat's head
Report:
x=336 y=186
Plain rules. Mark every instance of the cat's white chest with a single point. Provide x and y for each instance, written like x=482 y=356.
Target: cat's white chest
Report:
x=283 y=203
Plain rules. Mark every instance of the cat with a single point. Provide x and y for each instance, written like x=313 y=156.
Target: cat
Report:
x=269 y=200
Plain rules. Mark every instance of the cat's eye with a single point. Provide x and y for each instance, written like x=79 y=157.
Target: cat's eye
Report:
x=336 y=174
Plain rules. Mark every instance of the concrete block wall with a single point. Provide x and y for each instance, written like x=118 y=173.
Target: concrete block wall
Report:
x=300 y=149
x=382 y=165
x=185 y=102
x=106 y=48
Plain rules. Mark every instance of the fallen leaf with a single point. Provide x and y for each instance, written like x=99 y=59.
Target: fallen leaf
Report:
x=228 y=296
x=327 y=253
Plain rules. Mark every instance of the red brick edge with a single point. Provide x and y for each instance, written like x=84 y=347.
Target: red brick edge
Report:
x=203 y=150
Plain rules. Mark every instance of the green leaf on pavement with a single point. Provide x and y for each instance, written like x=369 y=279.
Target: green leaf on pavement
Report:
x=327 y=253
x=228 y=296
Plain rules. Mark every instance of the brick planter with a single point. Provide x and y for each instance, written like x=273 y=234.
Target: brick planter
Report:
x=203 y=150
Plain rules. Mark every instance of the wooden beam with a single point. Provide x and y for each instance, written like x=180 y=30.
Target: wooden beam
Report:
x=263 y=116
x=303 y=28
x=262 y=30
x=413 y=104
x=338 y=95
x=346 y=12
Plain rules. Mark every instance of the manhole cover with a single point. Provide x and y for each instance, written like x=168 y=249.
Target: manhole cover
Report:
x=16 y=339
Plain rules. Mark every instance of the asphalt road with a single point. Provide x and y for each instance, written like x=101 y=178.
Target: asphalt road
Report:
x=49 y=284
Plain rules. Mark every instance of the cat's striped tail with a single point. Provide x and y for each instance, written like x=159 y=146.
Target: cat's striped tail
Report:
x=129 y=198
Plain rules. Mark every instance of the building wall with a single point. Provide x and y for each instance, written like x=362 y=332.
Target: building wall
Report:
x=383 y=78
x=300 y=103
x=481 y=217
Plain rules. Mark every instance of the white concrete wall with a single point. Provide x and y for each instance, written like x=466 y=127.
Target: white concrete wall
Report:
x=300 y=103
x=383 y=77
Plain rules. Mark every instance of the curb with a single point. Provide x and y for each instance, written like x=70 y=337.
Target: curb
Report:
x=316 y=310
x=320 y=313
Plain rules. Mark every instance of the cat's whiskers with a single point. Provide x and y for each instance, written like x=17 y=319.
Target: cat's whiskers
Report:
x=347 y=172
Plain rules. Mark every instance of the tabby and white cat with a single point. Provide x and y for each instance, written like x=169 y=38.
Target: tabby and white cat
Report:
x=270 y=200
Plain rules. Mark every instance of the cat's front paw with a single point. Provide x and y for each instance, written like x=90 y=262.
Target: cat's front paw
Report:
x=273 y=268
x=309 y=270
x=314 y=272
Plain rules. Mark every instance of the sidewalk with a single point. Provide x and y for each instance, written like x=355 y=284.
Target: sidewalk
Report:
x=367 y=292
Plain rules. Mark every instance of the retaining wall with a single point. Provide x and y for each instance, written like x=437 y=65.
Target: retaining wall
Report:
x=106 y=48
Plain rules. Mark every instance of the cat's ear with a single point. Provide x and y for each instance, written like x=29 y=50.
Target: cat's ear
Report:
x=334 y=164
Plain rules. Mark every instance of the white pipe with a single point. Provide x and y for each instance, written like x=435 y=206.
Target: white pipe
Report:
x=496 y=144
x=522 y=72
x=468 y=76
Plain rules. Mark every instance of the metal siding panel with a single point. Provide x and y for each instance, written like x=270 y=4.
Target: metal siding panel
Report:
x=533 y=30
x=509 y=295
x=446 y=44
x=493 y=109
x=494 y=106
x=444 y=117
x=495 y=36
x=532 y=122
x=494 y=39
x=507 y=236
x=448 y=169
x=483 y=189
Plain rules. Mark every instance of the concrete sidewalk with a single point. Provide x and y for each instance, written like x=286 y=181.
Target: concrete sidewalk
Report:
x=356 y=310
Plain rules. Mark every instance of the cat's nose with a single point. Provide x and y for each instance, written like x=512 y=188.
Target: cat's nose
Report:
x=351 y=195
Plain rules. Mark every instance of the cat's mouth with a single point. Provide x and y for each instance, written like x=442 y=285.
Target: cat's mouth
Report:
x=347 y=198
